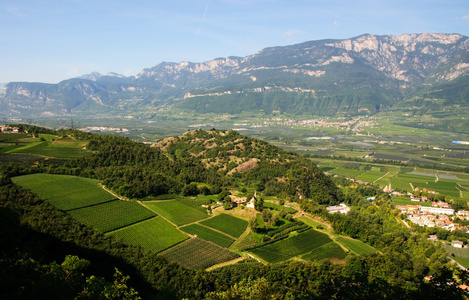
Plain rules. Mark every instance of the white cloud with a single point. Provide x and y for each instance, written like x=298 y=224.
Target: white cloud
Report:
x=466 y=17
x=336 y=23
x=287 y=34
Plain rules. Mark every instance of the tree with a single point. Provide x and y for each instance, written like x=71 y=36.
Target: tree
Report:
x=259 y=204
x=253 y=224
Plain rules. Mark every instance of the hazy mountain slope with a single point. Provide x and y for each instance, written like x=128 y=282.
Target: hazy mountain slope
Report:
x=360 y=75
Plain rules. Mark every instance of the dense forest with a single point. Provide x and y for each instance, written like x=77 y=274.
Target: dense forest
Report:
x=45 y=253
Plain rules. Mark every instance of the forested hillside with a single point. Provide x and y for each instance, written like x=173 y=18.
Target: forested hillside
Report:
x=46 y=253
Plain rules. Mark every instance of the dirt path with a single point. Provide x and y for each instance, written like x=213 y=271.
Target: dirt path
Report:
x=382 y=177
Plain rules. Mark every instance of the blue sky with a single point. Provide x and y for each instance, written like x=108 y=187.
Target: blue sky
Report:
x=53 y=40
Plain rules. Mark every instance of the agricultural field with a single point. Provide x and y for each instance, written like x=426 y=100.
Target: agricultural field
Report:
x=370 y=176
x=176 y=211
x=112 y=215
x=227 y=224
x=356 y=245
x=208 y=234
x=49 y=146
x=274 y=206
x=154 y=234
x=288 y=248
x=327 y=251
x=462 y=261
x=458 y=252
x=405 y=200
x=63 y=191
x=198 y=254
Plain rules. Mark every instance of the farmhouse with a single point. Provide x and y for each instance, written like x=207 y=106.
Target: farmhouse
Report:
x=252 y=203
x=457 y=244
x=238 y=200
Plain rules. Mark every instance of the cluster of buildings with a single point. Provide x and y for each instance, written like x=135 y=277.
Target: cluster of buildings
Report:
x=356 y=124
x=9 y=129
x=102 y=128
x=438 y=215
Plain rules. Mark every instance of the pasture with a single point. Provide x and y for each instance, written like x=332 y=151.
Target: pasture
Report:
x=154 y=234
x=227 y=224
x=112 y=215
x=208 y=234
x=176 y=211
x=198 y=254
x=288 y=248
x=63 y=191
x=356 y=245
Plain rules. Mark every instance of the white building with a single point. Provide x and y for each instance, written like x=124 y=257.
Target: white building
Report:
x=341 y=208
x=437 y=210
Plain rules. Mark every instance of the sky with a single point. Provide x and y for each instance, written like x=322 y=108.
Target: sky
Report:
x=53 y=40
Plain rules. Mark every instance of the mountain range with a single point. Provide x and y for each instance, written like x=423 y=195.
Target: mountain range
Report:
x=361 y=75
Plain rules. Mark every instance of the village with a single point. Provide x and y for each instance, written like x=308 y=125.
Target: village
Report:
x=9 y=129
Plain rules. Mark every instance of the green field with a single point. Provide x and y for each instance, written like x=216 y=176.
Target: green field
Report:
x=326 y=251
x=370 y=176
x=63 y=191
x=112 y=215
x=288 y=248
x=405 y=200
x=52 y=147
x=154 y=234
x=278 y=207
x=208 y=234
x=198 y=254
x=177 y=212
x=356 y=245
x=462 y=261
x=458 y=252
x=350 y=173
x=227 y=224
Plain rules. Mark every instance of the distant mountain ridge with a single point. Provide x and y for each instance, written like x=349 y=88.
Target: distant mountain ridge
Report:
x=360 y=75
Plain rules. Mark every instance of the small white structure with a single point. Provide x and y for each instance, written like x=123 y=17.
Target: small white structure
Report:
x=252 y=203
x=341 y=208
x=457 y=244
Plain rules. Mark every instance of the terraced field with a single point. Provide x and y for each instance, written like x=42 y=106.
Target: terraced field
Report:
x=327 y=251
x=177 y=212
x=288 y=248
x=356 y=245
x=208 y=234
x=155 y=234
x=198 y=254
x=63 y=191
x=112 y=215
x=227 y=224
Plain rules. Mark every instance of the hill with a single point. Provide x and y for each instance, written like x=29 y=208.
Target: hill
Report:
x=362 y=75
x=35 y=234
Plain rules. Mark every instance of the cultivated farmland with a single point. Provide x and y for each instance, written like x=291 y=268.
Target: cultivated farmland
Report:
x=208 y=234
x=356 y=245
x=227 y=224
x=112 y=215
x=198 y=254
x=176 y=211
x=326 y=251
x=291 y=247
x=155 y=234
x=63 y=191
